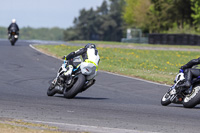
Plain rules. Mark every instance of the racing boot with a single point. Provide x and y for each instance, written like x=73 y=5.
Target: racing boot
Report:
x=186 y=85
x=89 y=84
x=67 y=75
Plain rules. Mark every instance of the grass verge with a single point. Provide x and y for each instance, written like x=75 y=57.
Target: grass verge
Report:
x=154 y=65
x=19 y=126
x=135 y=44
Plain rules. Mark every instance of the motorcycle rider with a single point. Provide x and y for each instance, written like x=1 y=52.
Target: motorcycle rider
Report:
x=14 y=26
x=190 y=72
x=89 y=54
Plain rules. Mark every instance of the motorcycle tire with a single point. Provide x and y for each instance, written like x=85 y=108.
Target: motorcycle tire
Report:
x=51 y=91
x=165 y=99
x=12 y=41
x=191 y=100
x=76 y=88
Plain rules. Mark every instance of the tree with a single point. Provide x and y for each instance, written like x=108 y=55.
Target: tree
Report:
x=130 y=12
x=195 y=7
x=170 y=13
x=116 y=30
x=135 y=13
x=84 y=24
x=103 y=9
x=105 y=23
x=159 y=15
x=70 y=34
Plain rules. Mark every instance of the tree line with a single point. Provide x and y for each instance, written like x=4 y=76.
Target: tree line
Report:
x=28 y=33
x=110 y=20
x=157 y=16
x=104 y=23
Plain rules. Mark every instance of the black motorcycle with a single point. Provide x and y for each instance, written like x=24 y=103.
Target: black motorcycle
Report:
x=188 y=97
x=13 y=36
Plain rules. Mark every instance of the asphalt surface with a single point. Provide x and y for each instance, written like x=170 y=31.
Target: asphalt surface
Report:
x=115 y=104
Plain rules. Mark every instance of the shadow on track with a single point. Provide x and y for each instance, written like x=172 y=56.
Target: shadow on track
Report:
x=91 y=98
x=181 y=106
x=84 y=98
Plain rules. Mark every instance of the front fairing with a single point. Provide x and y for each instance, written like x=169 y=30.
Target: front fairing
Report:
x=62 y=69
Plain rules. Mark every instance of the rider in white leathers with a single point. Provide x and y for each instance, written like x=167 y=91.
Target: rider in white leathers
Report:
x=90 y=57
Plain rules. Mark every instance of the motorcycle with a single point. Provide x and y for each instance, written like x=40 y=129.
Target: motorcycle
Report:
x=188 y=97
x=81 y=79
x=13 y=37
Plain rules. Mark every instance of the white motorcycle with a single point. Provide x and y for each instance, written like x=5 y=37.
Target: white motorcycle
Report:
x=188 y=97
x=82 y=78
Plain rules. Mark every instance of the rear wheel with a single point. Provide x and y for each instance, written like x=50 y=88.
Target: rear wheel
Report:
x=191 y=100
x=76 y=88
x=166 y=99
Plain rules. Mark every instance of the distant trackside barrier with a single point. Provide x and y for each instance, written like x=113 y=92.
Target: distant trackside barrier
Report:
x=174 y=39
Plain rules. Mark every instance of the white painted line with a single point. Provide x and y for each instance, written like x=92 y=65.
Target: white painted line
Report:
x=151 y=82
x=43 y=52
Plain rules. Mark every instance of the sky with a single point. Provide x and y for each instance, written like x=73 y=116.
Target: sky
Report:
x=43 y=13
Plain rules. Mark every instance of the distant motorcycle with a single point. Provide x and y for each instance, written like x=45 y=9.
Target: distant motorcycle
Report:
x=82 y=78
x=189 y=98
x=13 y=37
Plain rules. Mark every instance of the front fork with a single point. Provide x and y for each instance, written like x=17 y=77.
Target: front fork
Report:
x=175 y=96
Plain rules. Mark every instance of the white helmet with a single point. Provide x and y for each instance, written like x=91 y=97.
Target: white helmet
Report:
x=13 y=20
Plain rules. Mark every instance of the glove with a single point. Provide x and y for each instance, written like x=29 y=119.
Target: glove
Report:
x=184 y=67
x=181 y=71
x=64 y=57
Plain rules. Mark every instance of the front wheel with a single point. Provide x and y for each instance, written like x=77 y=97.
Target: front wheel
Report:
x=191 y=100
x=76 y=88
x=12 y=41
x=51 y=90
x=166 y=99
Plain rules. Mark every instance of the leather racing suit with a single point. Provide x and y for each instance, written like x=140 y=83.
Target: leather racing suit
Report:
x=13 y=26
x=89 y=55
x=190 y=72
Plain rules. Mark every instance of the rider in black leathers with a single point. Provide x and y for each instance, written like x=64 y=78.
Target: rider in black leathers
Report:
x=190 y=72
x=14 y=26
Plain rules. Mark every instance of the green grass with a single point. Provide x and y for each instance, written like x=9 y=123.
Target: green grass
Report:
x=154 y=65
x=19 y=126
x=135 y=44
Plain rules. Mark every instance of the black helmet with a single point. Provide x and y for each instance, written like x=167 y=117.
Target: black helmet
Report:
x=90 y=45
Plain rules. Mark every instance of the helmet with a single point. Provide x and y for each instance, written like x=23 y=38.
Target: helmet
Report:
x=13 y=20
x=90 y=45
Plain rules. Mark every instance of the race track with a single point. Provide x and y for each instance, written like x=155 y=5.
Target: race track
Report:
x=115 y=104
